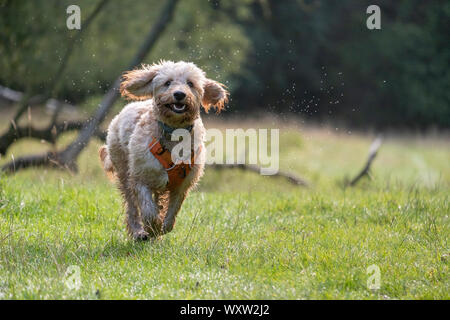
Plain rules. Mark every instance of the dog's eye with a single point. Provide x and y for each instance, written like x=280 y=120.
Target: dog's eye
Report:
x=167 y=83
x=190 y=84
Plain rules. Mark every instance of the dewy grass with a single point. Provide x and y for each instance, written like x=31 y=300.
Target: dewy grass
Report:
x=240 y=235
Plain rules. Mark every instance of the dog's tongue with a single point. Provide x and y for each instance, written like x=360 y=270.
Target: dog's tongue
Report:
x=179 y=106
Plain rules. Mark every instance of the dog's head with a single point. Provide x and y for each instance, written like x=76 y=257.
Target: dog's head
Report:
x=179 y=90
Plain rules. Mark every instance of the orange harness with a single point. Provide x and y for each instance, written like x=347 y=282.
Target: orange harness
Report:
x=176 y=172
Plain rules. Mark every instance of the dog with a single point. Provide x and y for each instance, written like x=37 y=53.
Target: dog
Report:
x=169 y=95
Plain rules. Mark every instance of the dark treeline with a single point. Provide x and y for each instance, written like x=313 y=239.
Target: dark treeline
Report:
x=313 y=58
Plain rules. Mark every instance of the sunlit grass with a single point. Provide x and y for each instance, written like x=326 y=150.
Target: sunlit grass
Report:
x=240 y=235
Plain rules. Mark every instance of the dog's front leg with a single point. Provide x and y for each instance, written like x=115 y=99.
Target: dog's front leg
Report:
x=149 y=210
x=176 y=199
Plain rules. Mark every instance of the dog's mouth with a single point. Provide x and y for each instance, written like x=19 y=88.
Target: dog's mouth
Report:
x=177 y=107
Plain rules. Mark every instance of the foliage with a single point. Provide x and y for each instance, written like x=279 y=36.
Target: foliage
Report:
x=313 y=58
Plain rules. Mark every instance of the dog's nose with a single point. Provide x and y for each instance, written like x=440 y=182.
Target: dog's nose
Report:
x=179 y=95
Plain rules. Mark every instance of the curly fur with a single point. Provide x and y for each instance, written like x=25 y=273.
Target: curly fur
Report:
x=151 y=208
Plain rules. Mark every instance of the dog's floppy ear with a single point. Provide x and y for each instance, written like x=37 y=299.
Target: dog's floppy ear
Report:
x=215 y=95
x=137 y=84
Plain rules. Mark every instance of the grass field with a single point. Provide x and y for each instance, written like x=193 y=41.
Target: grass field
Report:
x=241 y=235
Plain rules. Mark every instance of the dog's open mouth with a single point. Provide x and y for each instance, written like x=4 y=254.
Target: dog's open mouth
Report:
x=176 y=107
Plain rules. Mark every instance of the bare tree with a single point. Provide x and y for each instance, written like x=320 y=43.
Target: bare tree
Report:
x=25 y=100
x=67 y=158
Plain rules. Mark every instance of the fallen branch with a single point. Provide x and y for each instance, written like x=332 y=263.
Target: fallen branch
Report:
x=376 y=144
x=47 y=159
x=13 y=96
x=291 y=178
x=50 y=133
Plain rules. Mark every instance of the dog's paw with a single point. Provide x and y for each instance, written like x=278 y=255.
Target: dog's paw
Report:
x=153 y=226
x=141 y=235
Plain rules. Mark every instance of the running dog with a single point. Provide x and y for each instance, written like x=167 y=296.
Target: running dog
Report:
x=139 y=142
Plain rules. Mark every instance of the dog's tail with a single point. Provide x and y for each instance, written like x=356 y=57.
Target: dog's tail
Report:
x=106 y=162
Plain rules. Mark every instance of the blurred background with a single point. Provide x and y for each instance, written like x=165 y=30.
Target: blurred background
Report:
x=307 y=58
x=310 y=68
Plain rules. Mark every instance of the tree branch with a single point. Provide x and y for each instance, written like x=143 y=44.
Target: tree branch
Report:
x=54 y=84
x=376 y=144
x=50 y=133
x=291 y=178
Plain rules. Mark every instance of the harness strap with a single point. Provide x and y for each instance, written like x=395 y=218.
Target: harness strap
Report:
x=169 y=130
x=176 y=172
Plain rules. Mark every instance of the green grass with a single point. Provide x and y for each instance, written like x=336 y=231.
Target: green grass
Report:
x=240 y=235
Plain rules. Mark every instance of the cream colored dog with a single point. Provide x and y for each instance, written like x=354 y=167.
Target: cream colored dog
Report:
x=173 y=93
